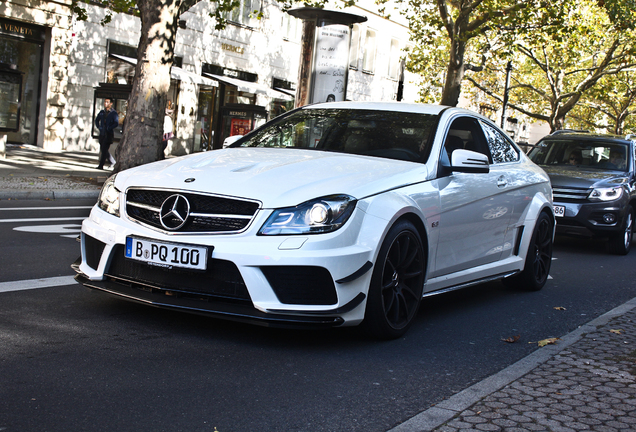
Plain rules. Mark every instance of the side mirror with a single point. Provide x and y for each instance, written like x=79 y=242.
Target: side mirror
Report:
x=231 y=140
x=468 y=161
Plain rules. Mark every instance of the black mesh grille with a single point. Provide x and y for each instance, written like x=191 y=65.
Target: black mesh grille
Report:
x=303 y=285
x=221 y=279
x=94 y=249
x=207 y=213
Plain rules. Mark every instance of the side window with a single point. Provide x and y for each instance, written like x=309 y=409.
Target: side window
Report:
x=501 y=148
x=465 y=133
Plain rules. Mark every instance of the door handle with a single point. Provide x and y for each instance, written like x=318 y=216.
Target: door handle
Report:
x=502 y=181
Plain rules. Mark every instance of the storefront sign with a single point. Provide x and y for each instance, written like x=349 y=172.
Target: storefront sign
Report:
x=331 y=62
x=232 y=48
x=21 y=30
x=237 y=114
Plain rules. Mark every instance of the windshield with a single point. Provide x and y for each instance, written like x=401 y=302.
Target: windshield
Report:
x=388 y=134
x=589 y=154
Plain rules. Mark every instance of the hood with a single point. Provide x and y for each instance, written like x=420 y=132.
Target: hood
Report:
x=275 y=177
x=580 y=177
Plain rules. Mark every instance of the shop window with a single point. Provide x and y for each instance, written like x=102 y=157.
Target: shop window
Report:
x=355 y=47
x=370 y=49
x=21 y=60
x=394 y=60
x=246 y=13
x=234 y=96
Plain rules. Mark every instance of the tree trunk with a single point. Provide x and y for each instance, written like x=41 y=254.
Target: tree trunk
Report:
x=454 y=74
x=143 y=127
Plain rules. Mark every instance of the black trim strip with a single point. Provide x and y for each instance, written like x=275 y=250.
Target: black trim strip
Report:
x=355 y=275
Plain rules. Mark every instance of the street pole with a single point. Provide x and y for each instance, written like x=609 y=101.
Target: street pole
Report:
x=505 y=97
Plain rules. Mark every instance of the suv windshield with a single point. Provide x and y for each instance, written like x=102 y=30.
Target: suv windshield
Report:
x=388 y=134
x=589 y=154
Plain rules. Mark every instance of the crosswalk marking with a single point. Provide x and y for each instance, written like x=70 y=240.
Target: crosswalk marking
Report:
x=36 y=283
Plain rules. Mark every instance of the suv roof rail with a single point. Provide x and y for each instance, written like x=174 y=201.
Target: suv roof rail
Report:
x=561 y=131
x=630 y=137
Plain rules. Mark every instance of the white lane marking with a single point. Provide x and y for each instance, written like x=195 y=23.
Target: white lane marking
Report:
x=42 y=219
x=50 y=229
x=49 y=208
x=36 y=283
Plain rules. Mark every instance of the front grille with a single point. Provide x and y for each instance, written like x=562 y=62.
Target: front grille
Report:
x=221 y=279
x=574 y=194
x=208 y=213
x=304 y=285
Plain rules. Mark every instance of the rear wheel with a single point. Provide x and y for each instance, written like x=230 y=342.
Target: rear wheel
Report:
x=621 y=243
x=539 y=257
x=397 y=283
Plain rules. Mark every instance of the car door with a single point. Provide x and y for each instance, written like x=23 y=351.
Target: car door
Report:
x=475 y=209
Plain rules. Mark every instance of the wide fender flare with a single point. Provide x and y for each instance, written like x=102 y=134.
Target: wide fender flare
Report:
x=383 y=211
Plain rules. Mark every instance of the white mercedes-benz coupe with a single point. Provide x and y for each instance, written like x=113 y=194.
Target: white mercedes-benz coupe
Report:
x=333 y=214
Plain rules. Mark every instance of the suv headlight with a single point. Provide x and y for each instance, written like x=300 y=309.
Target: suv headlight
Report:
x=606 y=194
x=321 y=215
x=109 y=197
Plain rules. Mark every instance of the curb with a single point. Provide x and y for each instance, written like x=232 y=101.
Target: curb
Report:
x=444 y=411
x=49 y=194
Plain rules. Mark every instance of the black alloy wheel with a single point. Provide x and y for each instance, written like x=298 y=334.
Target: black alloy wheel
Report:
x=397 y=283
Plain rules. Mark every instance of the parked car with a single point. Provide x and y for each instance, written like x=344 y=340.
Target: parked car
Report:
x=330 y=215
x=593 y=184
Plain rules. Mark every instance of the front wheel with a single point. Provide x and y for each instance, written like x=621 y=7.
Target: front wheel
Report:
x=538 y=259
x=621 y=243
x=396 y=284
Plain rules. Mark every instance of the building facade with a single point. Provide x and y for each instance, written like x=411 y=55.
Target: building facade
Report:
x=222 y=83
x=35 y=40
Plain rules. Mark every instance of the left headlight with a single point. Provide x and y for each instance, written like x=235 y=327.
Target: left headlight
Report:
x=606 y=194
x=321 y=215
x=109 y=197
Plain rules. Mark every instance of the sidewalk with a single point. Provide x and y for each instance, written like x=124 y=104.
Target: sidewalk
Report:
x=29 y=172
x=585 y=381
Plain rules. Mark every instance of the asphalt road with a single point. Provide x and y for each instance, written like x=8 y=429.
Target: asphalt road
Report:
x=72 y=359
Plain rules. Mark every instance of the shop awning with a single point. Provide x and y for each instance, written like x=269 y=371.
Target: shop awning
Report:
x=251 y=87
x=291 y=93
x=175 y=73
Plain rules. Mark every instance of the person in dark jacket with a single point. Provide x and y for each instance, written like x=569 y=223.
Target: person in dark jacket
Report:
x=106 y=121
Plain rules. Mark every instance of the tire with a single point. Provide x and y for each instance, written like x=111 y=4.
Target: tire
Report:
x=538 y=259
x=396 y=284
x=621 y=243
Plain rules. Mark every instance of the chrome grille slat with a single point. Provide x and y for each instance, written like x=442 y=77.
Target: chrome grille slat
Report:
x=208 y=213
x=570 y=193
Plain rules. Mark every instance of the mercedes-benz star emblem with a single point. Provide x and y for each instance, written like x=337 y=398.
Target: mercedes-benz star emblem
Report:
x=174 y=212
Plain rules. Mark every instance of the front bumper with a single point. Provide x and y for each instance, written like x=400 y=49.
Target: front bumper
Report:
x=309 y=281
x=587 y=219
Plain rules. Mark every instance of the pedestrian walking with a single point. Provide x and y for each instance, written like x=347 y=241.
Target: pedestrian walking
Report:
x=106 y=121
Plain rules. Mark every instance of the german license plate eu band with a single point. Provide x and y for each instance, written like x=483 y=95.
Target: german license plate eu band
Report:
x=166 y=255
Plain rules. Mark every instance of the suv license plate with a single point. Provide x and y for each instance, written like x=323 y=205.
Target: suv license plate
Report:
x=559 y=211
x=166 y=255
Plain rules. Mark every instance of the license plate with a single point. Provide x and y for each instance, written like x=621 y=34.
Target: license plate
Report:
x=559 y=211
x=166 y=255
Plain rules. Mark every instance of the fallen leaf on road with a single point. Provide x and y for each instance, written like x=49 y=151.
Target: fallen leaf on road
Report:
x=616 y=331
x=548 y=341
x=561 y=308
x=512 y=339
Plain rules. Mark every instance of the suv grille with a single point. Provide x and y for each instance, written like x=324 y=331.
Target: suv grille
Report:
x=576 y=194
x=207 y=213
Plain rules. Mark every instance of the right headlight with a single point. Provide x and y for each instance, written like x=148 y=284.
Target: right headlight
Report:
x=317 y=216
x=109 y=197
x=606 y=194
